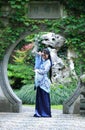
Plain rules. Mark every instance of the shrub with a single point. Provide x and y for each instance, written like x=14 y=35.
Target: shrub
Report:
x=61 y=93
x=20 y=74
x=20 y=68
x=26 y=94
x=58 y=93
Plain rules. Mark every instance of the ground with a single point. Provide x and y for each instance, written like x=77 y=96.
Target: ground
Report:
x=26 y=121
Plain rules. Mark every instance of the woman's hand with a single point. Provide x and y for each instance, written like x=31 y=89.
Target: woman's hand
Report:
x=39 y=53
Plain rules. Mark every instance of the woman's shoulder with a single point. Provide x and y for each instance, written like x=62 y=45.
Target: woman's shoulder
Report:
x=48 y=61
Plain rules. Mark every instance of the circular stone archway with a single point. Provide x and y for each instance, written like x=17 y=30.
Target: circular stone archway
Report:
x=9 y=102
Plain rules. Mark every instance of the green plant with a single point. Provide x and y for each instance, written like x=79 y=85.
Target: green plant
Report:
x=59 y=93
x=62 y=92
x=72 y=27
x=20 y=74
x=20 y=67
x=26 y=94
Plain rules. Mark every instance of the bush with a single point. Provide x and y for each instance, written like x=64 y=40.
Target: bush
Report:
x=58 y=93
x=21 y=66
x=26 y=94
x=61 y=93
x=20 y=74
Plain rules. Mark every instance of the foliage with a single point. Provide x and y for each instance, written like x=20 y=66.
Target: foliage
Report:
x=58 y=93
x=20 y=68
x=26 y=94
x=76 y=8
x=72 y=26
x=24 y=55
x=20 y=74
x=73 y=29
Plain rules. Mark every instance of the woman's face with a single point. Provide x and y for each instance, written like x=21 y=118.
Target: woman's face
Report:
x=44 y=55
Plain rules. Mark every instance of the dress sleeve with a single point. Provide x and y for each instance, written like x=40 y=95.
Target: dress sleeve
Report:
x=45 y=68
x=38 y=60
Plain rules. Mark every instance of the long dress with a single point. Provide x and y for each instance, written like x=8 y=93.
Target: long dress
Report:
x=43 y=105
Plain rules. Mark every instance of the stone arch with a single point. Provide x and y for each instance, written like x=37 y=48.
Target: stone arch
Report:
x=72 y=104
x=9 y=102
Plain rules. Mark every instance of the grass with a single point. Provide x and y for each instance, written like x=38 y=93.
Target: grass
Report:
x=58 y=107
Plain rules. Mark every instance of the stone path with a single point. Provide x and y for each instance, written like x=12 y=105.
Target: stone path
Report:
x=26 y=121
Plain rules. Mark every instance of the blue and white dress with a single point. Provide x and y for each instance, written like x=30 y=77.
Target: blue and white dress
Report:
x=42 y=82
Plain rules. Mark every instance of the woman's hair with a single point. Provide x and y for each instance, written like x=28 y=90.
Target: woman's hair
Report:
x=46 y=51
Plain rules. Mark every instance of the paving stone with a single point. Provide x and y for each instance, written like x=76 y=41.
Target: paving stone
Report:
x=26 y=121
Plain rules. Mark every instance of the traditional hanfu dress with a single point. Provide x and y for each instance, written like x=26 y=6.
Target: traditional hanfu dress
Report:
x=42 y=83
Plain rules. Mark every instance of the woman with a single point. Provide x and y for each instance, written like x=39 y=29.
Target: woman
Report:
x=42 y=83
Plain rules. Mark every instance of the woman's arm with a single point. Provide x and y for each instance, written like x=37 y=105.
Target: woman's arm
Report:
x=38 y=60
x=46 y=67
